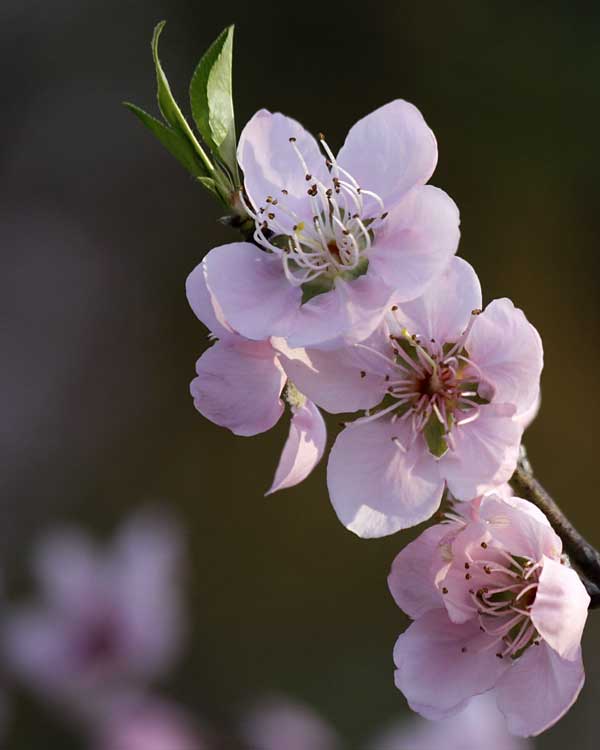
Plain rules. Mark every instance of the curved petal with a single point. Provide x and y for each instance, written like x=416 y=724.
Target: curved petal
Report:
x=349 y=313
x=419 y=237
x=303 y=448
x=525 y=418
x=271 y=165
x=560 y=609
x=519 y=529
x=238 y=386
x=508 y=352
x=251 y=289
x=377 y=487
x=538 y=690
x=443 y=312
x=485 y=452
x=411 y=578
x=338 y=381
x=390 y=151
x=441 y=665
x=204 y=305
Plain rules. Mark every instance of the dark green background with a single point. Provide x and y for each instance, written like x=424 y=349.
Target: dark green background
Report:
x=100 y=228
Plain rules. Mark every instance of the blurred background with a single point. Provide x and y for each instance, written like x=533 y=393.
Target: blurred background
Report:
x=100 y=227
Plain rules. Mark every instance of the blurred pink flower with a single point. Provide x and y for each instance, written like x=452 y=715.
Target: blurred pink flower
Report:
x=106 y=620
x=336 y=236
x=277 y=723
x=239 y=384
x=479 y=727
x=149 y=724
x=495 y=607
x=447 y=390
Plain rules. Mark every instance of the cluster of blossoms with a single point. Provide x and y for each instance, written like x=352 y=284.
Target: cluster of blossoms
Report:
x=350 y=299
x=106 y=625
x=347 y=297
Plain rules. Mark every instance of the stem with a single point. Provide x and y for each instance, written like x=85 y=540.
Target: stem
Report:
x=584 y=556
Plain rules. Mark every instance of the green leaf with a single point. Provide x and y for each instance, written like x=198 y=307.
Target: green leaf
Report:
x=210 y=185
x=168 y=106
x=211 y=99
x=166 y=102
x=173 y=140
x=435 y=435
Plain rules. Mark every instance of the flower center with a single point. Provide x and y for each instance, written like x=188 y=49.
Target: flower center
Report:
x=504 y=603
x=336 y=240
x=433 y=385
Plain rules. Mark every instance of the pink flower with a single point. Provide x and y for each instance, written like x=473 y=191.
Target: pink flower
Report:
x=479 y=727
x=335 y=236
x=278 y=723
x=495 y=608
x=105 y=620
x=447 y=393
x=148 y=724
x=239 y=384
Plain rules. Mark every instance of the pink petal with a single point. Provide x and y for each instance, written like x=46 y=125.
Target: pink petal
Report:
x=204 y=305
x=303 y=448
x=486 y=452
x=238 y=386
x=519 y=529
x=444 y=310
x=411 y=579
x=560 y=609
x=349 y=313
x=251 y=290
x=377 y=488
x=271 y=165
x=508 y=352
x=390 y=151
x=338 y=381
x=538 y=690
x=433 y=672
x=416 y=242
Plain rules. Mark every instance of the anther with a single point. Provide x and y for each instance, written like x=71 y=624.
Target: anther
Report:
x=384 y=215
x=484 y=545
x=499 y=656
x=394 y=308
x=444 y=590
x=363 y=374
x=308 y=177
x=387 y=378
x=468 y=576
x=467 y=566
x=271 y=216
x=292 y=139
x=284 y=191
x=464 y=650
x=476 y=311
x=321 y=136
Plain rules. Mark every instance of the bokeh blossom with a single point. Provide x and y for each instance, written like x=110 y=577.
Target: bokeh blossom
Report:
x=495 y=607
x=106 y=620
x=148 y=724
x=278 y=723
x=447 y=390
x=479 y=727
x=335 y=237
x=239 y=385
